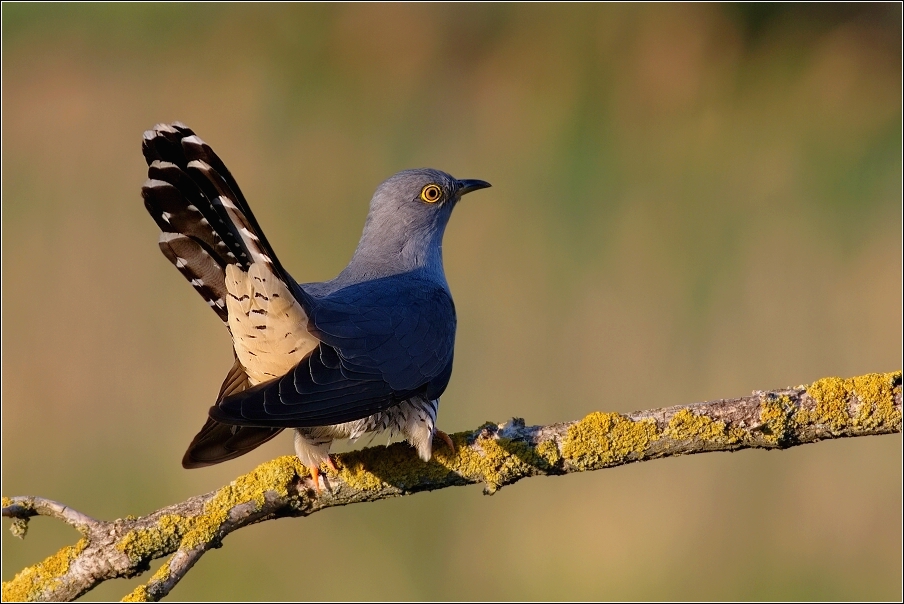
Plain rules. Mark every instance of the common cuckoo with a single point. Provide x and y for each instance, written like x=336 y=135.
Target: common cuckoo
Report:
x=366 y=352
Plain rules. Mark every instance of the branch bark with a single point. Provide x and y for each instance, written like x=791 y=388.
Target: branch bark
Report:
x=493 y=455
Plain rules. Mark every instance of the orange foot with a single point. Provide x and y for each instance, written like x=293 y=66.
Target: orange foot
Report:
x=315 y=472
x=315 y=476
x=445 y=438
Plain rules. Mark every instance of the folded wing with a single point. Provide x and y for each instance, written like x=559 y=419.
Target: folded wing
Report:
x=382 y=342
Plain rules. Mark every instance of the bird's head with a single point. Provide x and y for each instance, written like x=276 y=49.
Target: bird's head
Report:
x=408 y=215
x=419 y=197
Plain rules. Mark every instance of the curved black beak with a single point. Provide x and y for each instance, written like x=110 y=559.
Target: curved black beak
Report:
x=466 y=186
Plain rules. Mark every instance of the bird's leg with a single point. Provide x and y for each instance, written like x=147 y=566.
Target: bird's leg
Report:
x=331 y=464
x=445 y=438
x=315 y=476
x=315 y=472
x=313 y=450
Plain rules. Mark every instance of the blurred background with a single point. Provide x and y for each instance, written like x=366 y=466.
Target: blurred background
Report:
x=689 y=202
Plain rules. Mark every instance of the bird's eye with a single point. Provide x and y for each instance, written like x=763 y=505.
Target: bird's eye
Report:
x=431 y=193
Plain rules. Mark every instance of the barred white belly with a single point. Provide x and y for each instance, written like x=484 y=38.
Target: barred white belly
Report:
x=415 y=419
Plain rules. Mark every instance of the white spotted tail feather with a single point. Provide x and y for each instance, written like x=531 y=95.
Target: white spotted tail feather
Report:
x=204 y=218
x=207 y=232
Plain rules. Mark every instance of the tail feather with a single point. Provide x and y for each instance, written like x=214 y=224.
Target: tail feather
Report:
x=183 y=208
x=217 y=442
x=197 y=150
x=205 y=221
x=206 y=225
x=194 y=194
x=247 y=242
x=203 y=271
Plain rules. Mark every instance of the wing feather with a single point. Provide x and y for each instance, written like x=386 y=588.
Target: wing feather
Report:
x=395 y=343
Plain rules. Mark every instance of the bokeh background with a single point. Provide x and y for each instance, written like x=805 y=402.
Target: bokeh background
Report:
x=689 y=202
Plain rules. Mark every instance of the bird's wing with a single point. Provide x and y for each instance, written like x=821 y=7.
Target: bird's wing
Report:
x=382 y=342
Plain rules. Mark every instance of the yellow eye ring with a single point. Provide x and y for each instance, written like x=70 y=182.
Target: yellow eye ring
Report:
x=431 y=193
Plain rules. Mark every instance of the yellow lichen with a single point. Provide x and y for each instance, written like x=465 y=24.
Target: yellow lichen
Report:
x=172 y=531
x=872 y=396
x=687 y=425
x=162 y=574
x=274 y=476
x=549 y=451
x=527 y=455
x=139 y=594
x=831 y=397
x=396 y=466
x=602 y=439
x=877 y=402
x=19 y=527
x=148 y=543
x=356 y=470
x=486 y=462
x=35 y=581
x=493 y=460
x=7 y=502
x=776 y=419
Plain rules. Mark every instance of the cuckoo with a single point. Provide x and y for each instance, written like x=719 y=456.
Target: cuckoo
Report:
x=369 y=351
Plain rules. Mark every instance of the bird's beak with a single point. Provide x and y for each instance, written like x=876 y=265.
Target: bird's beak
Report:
x=466 y=186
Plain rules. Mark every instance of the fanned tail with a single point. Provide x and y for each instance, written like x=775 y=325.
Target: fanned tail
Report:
x=206 y=225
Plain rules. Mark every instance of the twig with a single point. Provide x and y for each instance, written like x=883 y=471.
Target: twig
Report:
x=493 y=455
x=26 y=507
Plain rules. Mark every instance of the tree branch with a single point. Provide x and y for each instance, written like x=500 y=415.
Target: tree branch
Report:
x=493 y=455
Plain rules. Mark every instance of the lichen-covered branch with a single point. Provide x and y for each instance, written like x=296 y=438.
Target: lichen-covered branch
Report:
x=492 y=455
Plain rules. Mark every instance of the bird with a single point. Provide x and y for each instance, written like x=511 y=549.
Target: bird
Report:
x=369 y=351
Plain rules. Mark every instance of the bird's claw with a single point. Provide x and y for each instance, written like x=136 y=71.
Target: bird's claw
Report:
x=331 y=464
x=446 y=439
x=315 y=472
x=315 y=476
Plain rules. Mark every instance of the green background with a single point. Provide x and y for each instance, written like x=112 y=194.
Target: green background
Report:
x=689 y=202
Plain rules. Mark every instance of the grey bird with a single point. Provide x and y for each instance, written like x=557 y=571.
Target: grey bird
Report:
x=366 y=352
